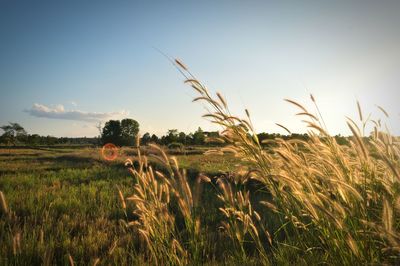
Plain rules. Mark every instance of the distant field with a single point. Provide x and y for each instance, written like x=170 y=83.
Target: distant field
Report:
x=66 y=202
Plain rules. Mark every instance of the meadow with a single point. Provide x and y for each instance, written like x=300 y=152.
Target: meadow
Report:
x=282 y=202
x=64 y=202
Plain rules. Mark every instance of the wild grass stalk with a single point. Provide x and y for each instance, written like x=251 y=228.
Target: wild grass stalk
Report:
x=338 y=199
x=156 y=194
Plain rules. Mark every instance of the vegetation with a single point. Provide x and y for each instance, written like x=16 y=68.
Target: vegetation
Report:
x=112 y=133
x=62 y=202
x=252 y=199
x=122 y=133
x=12 y=133
x=325 y=202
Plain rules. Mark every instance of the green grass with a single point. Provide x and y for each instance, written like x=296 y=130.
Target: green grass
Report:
x=65 y=202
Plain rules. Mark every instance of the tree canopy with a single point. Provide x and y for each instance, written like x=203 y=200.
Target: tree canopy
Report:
x=122 y=133
x=13 y=133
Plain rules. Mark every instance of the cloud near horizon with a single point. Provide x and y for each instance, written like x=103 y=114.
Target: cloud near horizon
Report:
x=58 y=112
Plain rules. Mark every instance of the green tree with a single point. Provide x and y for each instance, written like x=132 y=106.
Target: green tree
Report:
x=172 y=136
x=154 y=138
x=145 y=138
x=111 y=132
x=198 y=137
x=129 y=131
x=13 y=133
x=34 y=139
x=182 y=138
x=120 y=133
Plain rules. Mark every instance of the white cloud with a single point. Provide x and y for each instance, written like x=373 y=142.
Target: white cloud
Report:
x=58 y=112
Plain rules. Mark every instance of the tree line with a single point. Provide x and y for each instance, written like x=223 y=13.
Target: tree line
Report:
x=124 y=133
x=15 y=135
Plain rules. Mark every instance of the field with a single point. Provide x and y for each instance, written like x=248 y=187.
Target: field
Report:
x=66 y=203
x=286 y=201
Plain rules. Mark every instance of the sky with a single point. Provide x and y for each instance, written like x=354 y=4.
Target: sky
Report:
x=66 y=66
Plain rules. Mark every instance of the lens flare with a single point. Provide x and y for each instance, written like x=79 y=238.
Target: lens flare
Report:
x=109 y=152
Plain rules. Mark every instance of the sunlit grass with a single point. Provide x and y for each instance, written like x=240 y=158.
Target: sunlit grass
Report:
x=298 y=202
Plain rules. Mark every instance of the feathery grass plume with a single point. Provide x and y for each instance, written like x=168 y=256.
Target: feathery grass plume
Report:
x=179 y=63
x=318 y=112
x=323 y=192
x=240 y=220
x=71 y=260
x=96 y=262
x=205 y=178
x=121 y=197
x=3 y=203
x=285 y=128
x=222 y=99
x=155 y=194
x=359 y=111
x=309 y=115
x=297 y=104
x=17 y=243
x=383 y=110
x=387 y=216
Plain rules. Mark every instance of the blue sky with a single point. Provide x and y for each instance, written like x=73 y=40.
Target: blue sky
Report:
x=65 y=65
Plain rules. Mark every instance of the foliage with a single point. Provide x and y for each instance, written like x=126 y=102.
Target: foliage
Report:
x=146 y=139
x=122 y=133
x=129 y=131
x=13 y=133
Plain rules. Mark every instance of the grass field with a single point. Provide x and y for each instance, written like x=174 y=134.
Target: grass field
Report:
x=65 y=203
x=299 y=202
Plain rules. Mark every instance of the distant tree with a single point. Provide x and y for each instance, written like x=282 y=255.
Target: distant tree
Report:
x=129 y=131
x=189 y=139
x=111 y=132
x=198 y=137
x=12 y=133
x=172 y=136
x=34 y=139
x=145 y=139
x=304 y=137
x=154 y=139
x=49 y=140
x=99 y=127
x=182 y=138
x=341 y=140
x=120 y=133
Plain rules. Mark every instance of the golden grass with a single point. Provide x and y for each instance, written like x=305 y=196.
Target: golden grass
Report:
x=344 y=198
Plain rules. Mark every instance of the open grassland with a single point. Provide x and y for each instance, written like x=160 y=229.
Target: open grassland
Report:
x=298 y=202
x=67 y=206
x=65 y=202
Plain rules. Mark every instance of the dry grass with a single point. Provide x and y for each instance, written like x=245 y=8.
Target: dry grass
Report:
x=334 y=204
x=155 y=194
x=344 y=201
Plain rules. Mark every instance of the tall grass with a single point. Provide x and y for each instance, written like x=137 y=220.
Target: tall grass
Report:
x=325 y=202
x=338 y=200
x=298 y=202
x=157 y=195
